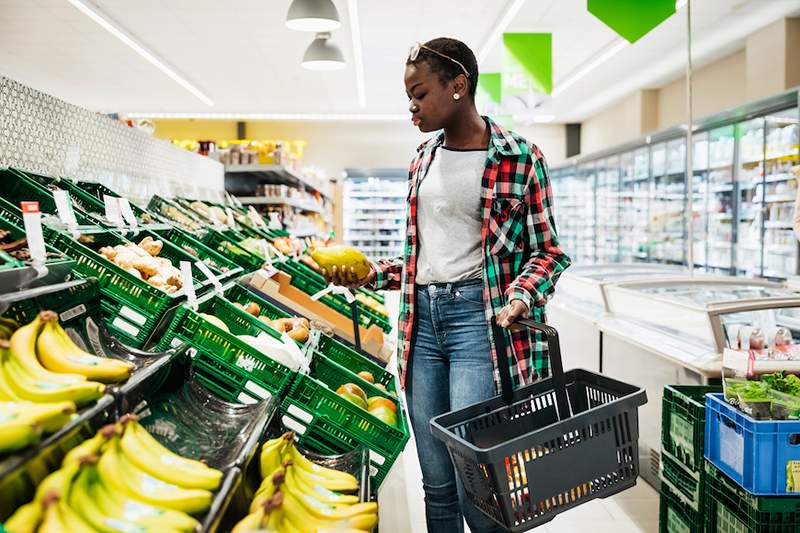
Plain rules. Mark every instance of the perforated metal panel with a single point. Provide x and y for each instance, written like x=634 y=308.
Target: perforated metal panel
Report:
x=43 y=134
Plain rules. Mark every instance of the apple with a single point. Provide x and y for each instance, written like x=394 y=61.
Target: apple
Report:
x=366 y=376
x=380 y=401
x=381 y=387
x=353 y=398
x=385 y=415
x=352 y=388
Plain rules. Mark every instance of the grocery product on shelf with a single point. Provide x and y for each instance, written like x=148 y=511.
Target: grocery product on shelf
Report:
x=373 y=212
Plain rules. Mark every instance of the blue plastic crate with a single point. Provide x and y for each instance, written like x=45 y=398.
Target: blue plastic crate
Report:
x=753 y=453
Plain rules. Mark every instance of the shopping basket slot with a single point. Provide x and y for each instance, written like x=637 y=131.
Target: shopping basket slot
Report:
x=529 y=454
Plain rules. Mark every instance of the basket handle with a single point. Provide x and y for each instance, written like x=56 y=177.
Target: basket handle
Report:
x=553 y=352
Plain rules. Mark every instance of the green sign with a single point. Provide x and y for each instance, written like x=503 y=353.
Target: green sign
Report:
x=631 y=19
x=527 y=63
x=490 y=87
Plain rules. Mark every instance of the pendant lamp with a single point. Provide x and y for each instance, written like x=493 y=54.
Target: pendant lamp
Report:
x=322 y=54
x=313 y=15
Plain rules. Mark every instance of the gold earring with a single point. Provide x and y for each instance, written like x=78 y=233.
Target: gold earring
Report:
x=456 y=96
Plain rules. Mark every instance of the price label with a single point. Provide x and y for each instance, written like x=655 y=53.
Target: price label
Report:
x=255 y=218
x=188 y=284
x=32 y=218
x=113 y=213
x=230 y=220
x=127 y=212
x=64 y=207
x=210 y=276
x=275 y=221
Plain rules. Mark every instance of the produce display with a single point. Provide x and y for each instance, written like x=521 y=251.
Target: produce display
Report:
x=211 y=212
x=775 y=396
x=178 y=217
x=122 y=479
x=208 y=261
x=373 y=304
x=297 y=328
x=142 y=261
x=297 y=495
x=18 y=248
x=382 y=408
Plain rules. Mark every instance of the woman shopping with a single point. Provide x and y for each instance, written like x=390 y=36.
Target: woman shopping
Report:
x=480 y=243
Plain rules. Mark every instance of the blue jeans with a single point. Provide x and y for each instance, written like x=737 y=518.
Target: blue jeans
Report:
x=451 y=368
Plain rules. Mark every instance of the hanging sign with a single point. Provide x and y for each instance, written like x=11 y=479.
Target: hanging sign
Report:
x=527 y=64
x=631 y=19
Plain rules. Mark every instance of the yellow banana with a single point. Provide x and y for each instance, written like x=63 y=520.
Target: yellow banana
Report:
x=308 y=486
x=16 y=434
x=26 y=519
x=117 y=505
x=273 y=513
x=22 y=349
x=51 y=416
x=72 y=520
x=81 y=501
x=56 y=484
x=90 y=447
x=287 y=526
x=58 y=353
x=303 y=520
x=325 y=511
x=6 y=394
x=150 y=456
x=272 y=454
x=268 y=488
x=251 y=522
x=325 y=477
x=51 y=520
x=43 y=391
x=118 y=474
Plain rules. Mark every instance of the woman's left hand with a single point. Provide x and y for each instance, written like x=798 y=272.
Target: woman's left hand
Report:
x=510 y=313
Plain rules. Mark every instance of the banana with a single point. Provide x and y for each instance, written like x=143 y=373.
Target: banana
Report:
x=6 y=394
x=272 y=453
x=56 y=484
x=325 y=511
x=325 y=477
x=251 y=522
x=308 y=486
x=268 y=488
x=16 y=434
x=118 y=474
x=26 y=519
x=72 y=520
x=303 y=520
x=150 y=456
x=44 y=391
x=22 y=349
x=90 y=447
x=51 y=416
x=58 y=353
x=81 y=501
x=52 y=520
x=273 y=513
x=115 y=504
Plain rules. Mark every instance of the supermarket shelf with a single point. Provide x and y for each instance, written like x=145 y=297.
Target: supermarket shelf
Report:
x=291 y=202
x=784 y=176
x=779 y=198
x=778 y=225
x=276 y=172
x=374 y=194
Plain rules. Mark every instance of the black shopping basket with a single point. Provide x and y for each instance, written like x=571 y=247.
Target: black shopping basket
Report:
x=529 y=454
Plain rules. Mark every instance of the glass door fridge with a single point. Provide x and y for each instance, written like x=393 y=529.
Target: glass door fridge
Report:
x=607 y=179
x=780 y=191
x=668 y=202
x=699 y=201
x=720 y=200
x=573 y=197
x=749 y=197
x=634 y=195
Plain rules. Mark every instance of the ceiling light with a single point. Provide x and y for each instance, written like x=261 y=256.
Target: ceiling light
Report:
x=358 y=54
x=312 y=15
x=498 y=30
x=592 y=64
x=117 y=31
x=322 y=54
x=312 y=117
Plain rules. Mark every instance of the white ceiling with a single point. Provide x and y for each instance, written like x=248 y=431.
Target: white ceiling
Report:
x=243 y=57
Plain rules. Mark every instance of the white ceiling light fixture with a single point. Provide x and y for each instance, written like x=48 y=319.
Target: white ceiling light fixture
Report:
x=313 y=15
x=117 y=31
x=610 y=51
x=358 y=53
x=322 y=54
x=499 y=29
x=311 y=117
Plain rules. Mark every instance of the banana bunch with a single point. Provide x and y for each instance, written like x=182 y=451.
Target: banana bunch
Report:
x=7 y=327
x=22 y=422
x=101 y=486
x=299 y=496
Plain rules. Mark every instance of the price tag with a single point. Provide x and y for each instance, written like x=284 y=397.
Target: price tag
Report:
x=210 y=276
x=32 y=218
x=188 y=284
x=265 y=251
x=275 y=221
x=255 y=218
x=113 y=213
x=230 y=221
x=64 y=207
x=127 y=212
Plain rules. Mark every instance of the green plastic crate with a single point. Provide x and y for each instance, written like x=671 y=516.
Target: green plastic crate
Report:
x=125 y=294
x=188 y=242
x=230 y=248
x=314 y=403
x=69 y=303
x=89 y=196
x=189 y=326
x=225 y=380
x=675 y=516
x=328 y=346
x=684 y=483
x=731 y=509
x=683 y=419
x=162 y=206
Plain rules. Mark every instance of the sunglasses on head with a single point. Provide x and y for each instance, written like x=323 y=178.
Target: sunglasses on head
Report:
x=413 y=54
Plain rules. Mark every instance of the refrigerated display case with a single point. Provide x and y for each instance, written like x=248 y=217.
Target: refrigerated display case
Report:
x=670 y=331
x=668 y=201
x=749 y=198
x=374 y=212
x=633 y=206
x=573 y=203
x=607 y=197
x=719 y=234
x=699 y=202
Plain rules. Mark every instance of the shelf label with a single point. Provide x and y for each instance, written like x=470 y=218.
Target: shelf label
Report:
x=125 y=326
x=78 y=310
x=127 y=212
x=292 y=425
x=64 y=208
x=258 y=390
x=377 y=458
x=255 y=218
x=32 y=218
x=246 y=399
x=210 y=276
x=188 y=284
x=132 y=315
x=299 y=413
x=230 y=220
x=113 y=213
x=275 y=221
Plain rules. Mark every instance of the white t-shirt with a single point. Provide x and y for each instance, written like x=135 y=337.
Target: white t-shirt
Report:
x=449 y=217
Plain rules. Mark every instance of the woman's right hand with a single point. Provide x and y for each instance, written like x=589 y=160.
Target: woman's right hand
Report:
x=346 y=277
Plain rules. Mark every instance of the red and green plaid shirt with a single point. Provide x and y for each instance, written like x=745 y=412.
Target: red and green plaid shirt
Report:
x=521 y=260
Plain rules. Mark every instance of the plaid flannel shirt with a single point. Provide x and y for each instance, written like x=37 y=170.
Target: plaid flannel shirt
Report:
x=521 y=260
